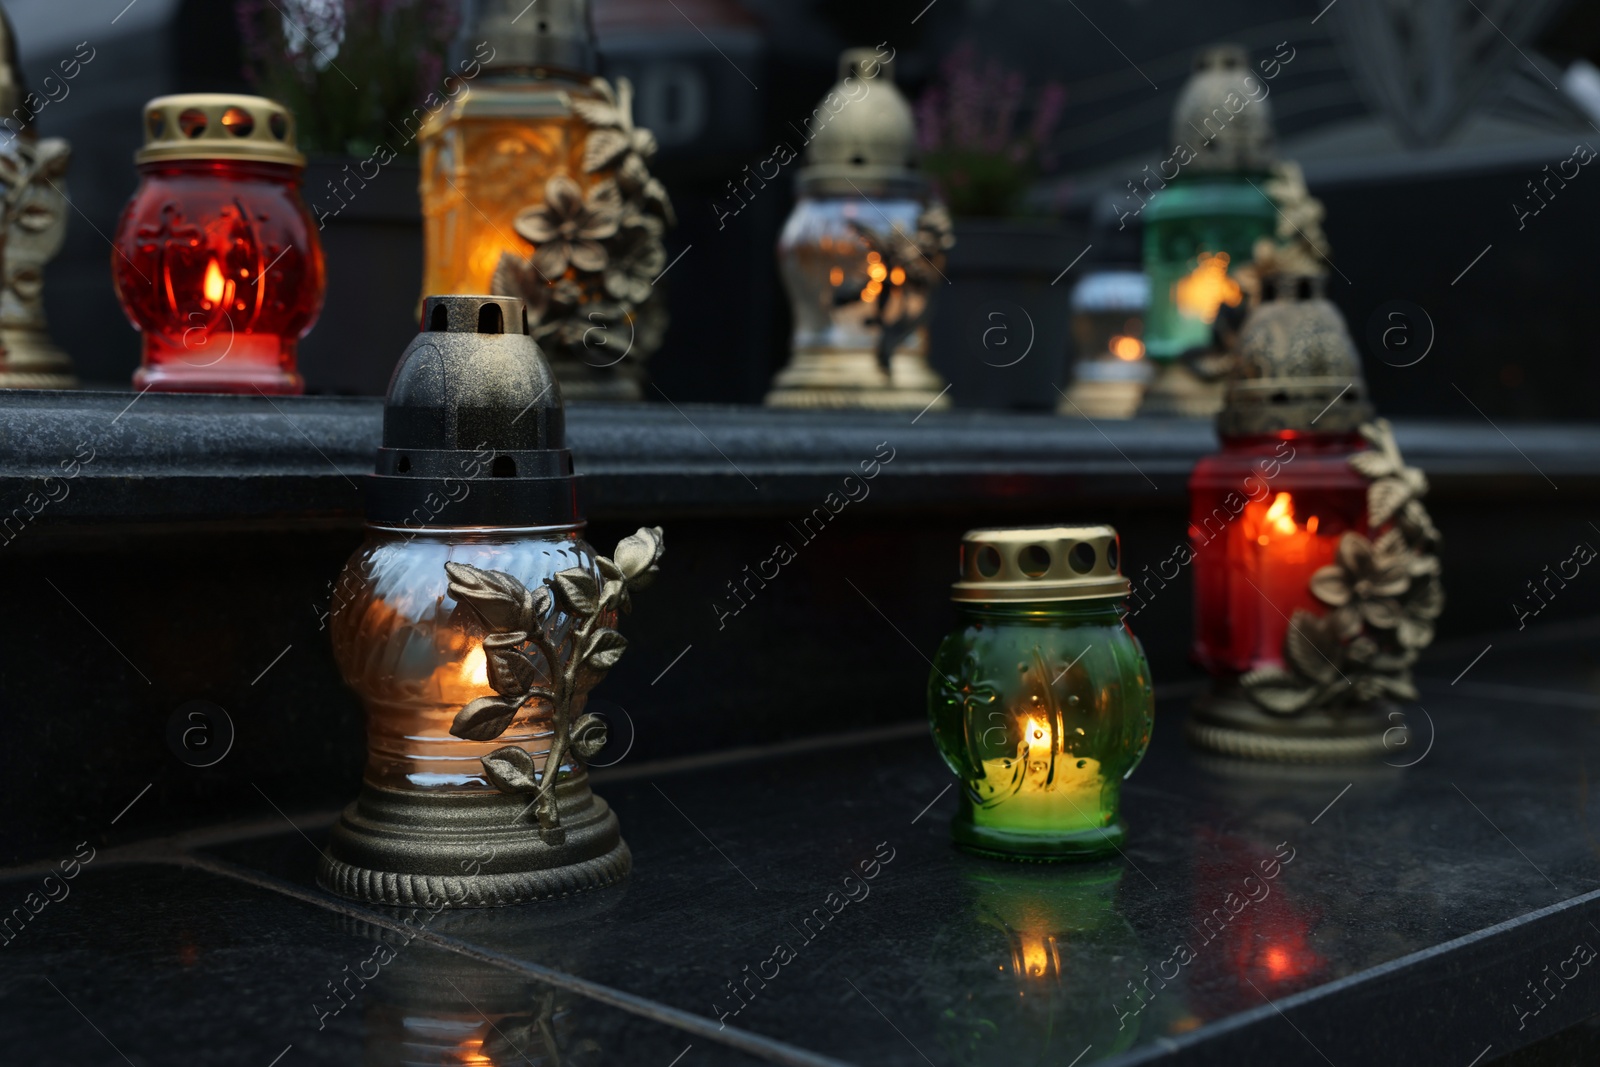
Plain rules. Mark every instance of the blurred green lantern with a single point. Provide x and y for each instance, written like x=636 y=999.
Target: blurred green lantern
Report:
x=1205 y=213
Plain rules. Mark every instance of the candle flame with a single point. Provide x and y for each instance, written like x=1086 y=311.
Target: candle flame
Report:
x=1127 y=348
x=1279 y=520
x=1281 y=514
x=215 y=286
x=1037 y=733
x=1202 y=292
x=475 y=668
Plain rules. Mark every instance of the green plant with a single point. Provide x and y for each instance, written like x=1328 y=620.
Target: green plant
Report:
x=974 y=142
x=350 y=70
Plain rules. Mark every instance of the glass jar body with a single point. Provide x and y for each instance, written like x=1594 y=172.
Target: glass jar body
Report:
x=1197 y=231
x=416 y=656
x=833 y=278
x=484 y=159
x=218 y=265
x=1265 y=514
x=1041 y=709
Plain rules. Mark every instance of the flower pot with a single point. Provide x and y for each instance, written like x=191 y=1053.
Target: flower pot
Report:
x=1000 y=333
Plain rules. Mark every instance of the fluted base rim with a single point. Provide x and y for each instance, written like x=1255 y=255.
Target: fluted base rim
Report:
x=395 y=889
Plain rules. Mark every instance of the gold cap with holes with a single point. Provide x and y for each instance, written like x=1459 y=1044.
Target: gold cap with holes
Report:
x=218 y=126
x=1017 y=563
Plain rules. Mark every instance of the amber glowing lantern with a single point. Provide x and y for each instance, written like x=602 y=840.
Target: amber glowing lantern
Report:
x=216 y=259
x=1315 y=579
x=473 y=622
x=535 y=184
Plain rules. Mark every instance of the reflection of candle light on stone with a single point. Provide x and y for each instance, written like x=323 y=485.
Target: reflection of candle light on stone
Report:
x=1038 y=956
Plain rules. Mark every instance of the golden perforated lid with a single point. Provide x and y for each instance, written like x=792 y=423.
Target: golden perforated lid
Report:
x=1015 y=563
x=862 y=135
x=218 y=126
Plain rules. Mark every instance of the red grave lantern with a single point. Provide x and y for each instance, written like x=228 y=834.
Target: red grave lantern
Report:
x=216 y=259
x=1316 y=583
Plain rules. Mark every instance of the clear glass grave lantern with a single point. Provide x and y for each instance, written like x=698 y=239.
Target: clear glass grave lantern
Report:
x=1040 y=700
x=1203 y=219
x=1111 y=371
x=862 y=252
x=1315 y=577
x=216 y=259
x=473 y=622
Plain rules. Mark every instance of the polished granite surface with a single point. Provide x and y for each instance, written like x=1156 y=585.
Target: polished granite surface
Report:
x=1258 y=915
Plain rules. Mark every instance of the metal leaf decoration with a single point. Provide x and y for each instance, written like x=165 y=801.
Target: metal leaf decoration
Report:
x=603 y=649
x=589 y=735
x=498 y=598
x=524 y=647
x=484 y=719
x=579 y=589
x=511 y=770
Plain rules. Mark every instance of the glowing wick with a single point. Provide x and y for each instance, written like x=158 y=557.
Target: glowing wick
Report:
x=475 y=668
x=1202 y=292
x=215 y=285
x=1127 y=348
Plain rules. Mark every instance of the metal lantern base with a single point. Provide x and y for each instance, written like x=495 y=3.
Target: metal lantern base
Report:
x=32 y=361
x=856 y=379
x=1235 y=726
x=471 y=851
x=1178 y=391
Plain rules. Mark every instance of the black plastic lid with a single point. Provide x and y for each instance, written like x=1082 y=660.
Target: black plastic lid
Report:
x=474 y=432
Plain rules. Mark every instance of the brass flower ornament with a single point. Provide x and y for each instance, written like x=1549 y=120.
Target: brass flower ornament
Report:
x=569 y=226
x=1383 y=596
x=588 y=278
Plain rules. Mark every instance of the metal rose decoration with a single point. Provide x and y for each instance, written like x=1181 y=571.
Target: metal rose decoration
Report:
x=1383 y=595
x=552 y=644
x=588 y=278
x=911 y=263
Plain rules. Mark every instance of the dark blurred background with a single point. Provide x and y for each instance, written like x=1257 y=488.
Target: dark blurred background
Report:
x=1420 y=125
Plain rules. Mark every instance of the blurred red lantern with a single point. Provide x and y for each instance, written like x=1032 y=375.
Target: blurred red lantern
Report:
x=1316 y=578
x=216 y=259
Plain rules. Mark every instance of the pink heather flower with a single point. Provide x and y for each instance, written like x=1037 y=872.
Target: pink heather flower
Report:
x=978 y=106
